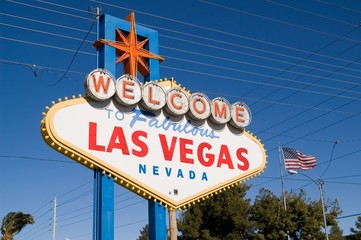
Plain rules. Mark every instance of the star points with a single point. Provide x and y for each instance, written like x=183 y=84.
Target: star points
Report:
x=130 y=51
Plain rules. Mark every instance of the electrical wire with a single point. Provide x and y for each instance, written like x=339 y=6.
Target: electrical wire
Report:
x=36 y=159
x=256 y=56
x=319 y=164
x=260 y=75
x=338 y=6
x=279 y=21
x=258 y=83
x=46 y=23
x=207 y=92
x=310 y=13
x=263 y=57
x=331 y=158
x=60 y=5
x=253 y=55
x=213 y=75
x=49 y=10
x=227 y=43
x=44 y=32
x=46 y=45
x=241 y=62
x=74 y=189
x=205 y=28
x=306 y=58
x=73 y=58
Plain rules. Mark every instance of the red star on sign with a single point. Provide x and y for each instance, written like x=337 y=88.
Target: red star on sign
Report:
x=130 y=51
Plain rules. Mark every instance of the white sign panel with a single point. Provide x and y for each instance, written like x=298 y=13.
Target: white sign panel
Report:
x=173 y=159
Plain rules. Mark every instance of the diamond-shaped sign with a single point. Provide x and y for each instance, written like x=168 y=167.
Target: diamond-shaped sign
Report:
x=174 y=160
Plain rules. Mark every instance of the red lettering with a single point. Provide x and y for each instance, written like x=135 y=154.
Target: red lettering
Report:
x=128 y=90
x=184 y=150
x=195 y=106
x=239 y=114
x=218 y=111
x=210 y=157
x=172 y=100
x=118 y=141
x=100 y=82
x=167 y=150
x=150 y=97
x=139 y=143
x=225 y=157
x=245 y=163
x=92 y=145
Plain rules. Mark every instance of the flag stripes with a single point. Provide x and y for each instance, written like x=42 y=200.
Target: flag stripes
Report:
x=296 y=160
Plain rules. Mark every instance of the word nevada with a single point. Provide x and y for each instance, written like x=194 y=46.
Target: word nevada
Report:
x=100 y=85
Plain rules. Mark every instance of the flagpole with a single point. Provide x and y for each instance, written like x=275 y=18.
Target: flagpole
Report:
x=282 y=183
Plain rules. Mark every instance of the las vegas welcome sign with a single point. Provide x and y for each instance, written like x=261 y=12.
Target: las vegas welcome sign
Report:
x=156 y=139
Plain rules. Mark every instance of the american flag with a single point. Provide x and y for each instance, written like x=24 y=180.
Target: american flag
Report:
x=297 y=160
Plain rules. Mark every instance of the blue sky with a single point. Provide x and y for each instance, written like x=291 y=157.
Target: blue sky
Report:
x=295 y=64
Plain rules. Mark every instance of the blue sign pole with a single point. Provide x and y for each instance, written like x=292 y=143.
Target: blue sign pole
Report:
x=103 y=223
x=157 y=221
x=104 y=206
x=103 y=228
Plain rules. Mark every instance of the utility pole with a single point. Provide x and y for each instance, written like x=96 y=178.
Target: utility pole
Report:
x=283 y=188
x=320 y=183
x=54 y=218
x=173 y=230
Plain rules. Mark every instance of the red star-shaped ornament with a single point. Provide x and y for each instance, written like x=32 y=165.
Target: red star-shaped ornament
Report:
x=130 y=51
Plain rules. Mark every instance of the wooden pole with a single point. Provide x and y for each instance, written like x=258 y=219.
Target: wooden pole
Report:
x=173 y=230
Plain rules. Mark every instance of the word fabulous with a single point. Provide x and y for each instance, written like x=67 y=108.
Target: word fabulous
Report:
x=101 y=85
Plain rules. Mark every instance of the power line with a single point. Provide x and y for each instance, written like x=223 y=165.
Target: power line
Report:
x=257 y=56
x=74 y=189
x=347 y=216
x=208 y=92
x=213 y=39
x=73 y=58
x=259 y=74
x=292 y=94
x=65 y=6
x=320 y=164
x=230 y=69
x=60 y=5
x=45 y=45
x=339 y=6
x=46 y=23
x=207 y=28
x=217 y=76
x=3 y=61
x=225 y=49
x=43 y=32
x=49 y=10
x=36 y=159
x=279 y=21
x=311 y=13
x=258 y=83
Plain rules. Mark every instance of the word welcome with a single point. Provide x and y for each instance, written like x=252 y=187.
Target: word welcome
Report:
x=101 y=85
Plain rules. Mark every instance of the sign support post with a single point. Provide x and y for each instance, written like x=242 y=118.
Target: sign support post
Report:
x=103 y=228
x=157 y=221
x=103 y=206
x=104 y=186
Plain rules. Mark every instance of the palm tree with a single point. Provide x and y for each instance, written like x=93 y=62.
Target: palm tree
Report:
x=13 y=223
